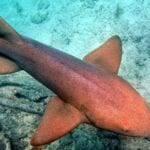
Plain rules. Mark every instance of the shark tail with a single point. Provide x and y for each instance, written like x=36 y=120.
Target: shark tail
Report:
x=8 y=34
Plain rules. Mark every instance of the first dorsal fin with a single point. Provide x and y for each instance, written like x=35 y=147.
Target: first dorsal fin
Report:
x=8 y=33
x=59 y=118
x=107 y=56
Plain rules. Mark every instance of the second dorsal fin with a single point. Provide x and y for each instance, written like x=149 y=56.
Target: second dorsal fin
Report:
x=107 y=56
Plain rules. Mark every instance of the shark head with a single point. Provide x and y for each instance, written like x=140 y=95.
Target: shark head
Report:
x=131 y=114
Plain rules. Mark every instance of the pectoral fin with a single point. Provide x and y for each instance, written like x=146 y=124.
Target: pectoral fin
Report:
x=7 y=66
x=59 y=119
x=107 y=56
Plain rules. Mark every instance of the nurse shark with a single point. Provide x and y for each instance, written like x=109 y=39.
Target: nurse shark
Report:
x=88 y=90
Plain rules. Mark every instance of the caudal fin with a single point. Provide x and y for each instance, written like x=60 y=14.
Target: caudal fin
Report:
x=8 y=33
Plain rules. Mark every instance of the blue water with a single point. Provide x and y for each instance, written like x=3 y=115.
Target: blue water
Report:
x=76 y=27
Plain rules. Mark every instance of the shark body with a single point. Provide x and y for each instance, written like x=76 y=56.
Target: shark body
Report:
x=88 y=90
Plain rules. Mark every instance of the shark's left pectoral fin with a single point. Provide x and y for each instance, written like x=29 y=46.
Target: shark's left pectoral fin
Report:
x=59 y=119
x=107 y=56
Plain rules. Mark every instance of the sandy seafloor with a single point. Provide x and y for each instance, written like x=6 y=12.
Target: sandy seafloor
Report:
x=75 y=27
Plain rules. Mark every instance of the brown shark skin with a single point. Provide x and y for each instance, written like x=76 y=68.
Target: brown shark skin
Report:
x=93 y=91
x=106 y=100
x=7 y=66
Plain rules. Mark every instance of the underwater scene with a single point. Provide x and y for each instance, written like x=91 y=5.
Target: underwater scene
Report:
x=31 y=74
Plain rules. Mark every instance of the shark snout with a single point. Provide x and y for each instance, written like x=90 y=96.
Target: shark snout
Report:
x=137 y=124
